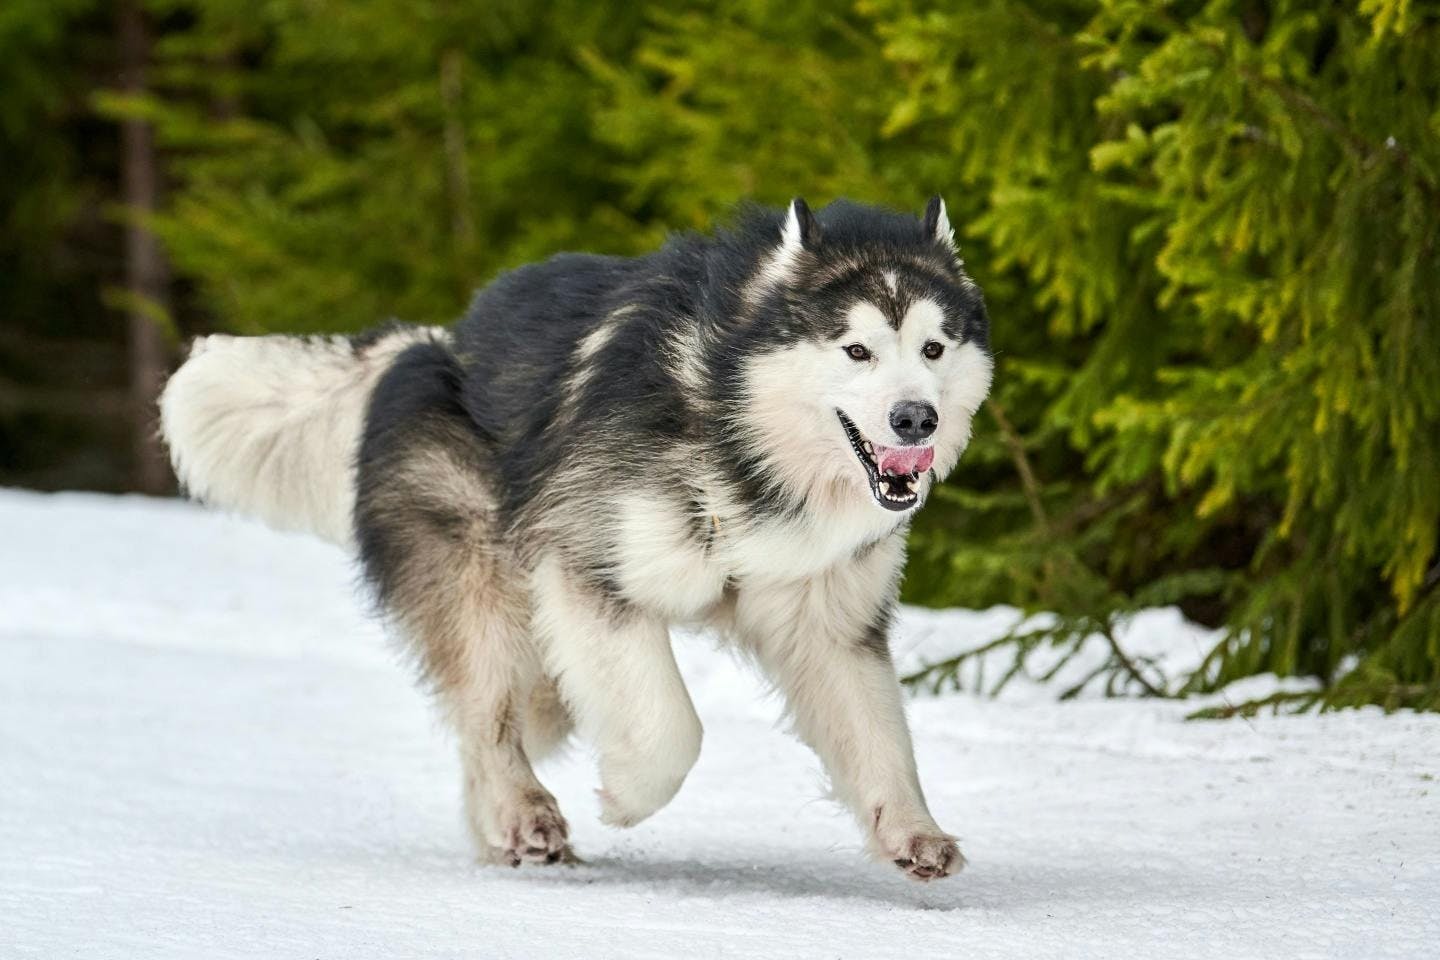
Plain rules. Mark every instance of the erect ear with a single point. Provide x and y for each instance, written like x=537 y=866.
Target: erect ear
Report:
x=801 y=230
x=937 y=222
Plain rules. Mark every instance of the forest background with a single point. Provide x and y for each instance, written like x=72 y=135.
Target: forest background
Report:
x=1207 y=233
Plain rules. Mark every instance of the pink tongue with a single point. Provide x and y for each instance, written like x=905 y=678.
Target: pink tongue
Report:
x=903 y=460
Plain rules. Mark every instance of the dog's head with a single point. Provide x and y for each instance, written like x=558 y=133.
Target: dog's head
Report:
x=876 y=352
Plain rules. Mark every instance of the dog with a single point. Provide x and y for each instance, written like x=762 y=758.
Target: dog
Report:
x=733 y=431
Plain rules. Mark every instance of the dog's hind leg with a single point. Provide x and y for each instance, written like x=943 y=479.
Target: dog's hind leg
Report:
x=453 y=594
x=548 y=723
x=511 y=816
x=431 y=546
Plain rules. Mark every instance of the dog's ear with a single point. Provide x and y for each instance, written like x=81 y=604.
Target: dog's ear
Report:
x=937 y=222
x=801 y=230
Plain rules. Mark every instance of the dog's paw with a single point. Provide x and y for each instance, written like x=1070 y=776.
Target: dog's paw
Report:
x=533 y=831
x=915 y=845
x=632 y=787
x=627 y=808
x=929 y=857
x=627 y=800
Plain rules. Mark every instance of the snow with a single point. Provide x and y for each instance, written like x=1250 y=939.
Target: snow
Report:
x=208 y=749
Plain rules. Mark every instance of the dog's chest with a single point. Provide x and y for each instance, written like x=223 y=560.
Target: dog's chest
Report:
x=678 y=563
x=787 y=550
x=664 y=558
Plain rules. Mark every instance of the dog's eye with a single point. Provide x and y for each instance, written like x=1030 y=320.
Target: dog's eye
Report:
x=857 y=352
x=933 y=350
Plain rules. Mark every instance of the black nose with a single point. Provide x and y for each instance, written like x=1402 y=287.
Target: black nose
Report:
x=913 y=422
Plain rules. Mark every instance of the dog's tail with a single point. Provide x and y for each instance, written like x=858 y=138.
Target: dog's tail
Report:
x=270 y=426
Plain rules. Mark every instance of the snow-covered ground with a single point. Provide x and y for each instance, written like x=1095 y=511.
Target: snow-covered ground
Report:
x=208 y=750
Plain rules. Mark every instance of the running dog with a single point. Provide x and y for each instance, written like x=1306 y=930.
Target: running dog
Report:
x=733 y=431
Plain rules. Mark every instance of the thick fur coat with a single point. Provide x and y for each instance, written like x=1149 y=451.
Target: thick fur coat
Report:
x=733 y=431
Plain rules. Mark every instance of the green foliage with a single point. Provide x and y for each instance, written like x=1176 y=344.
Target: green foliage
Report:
x=61 y=353
x=1207 y=232
x=1248 y=248
x=344 y=162
x=44 y=188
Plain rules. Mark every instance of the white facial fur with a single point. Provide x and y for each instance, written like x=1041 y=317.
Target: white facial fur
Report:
x=955 y=383
x=795 y=392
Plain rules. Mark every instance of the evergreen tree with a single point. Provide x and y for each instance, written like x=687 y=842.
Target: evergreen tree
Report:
x=1237 y=215
x=65 y=419
x=1207 y=233
x=343 y=163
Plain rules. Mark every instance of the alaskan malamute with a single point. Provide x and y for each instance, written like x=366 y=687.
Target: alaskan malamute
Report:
x=733 y=431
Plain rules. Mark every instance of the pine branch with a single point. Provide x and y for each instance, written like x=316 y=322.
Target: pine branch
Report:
x=1364 y=152
x=1249 y=708
x=1016 y=446
x=1107 y=630
x=1031 y=487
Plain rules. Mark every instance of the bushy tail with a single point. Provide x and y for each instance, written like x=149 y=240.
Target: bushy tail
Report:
x=270 y=426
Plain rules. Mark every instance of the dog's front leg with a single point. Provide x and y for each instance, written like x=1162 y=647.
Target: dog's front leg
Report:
x=827 y=652
x=617 y=674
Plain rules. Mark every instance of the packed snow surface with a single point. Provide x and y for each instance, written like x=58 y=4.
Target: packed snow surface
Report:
x=208 y=748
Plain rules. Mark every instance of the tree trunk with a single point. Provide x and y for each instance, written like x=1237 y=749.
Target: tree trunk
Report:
x=147 y=275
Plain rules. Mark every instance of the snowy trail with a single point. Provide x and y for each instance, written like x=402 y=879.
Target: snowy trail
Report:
x=208 y=750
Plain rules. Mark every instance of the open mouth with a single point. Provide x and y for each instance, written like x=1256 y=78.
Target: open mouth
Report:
x=894 y=472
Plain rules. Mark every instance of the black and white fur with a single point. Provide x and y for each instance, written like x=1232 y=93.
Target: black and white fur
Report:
x=604 y=447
